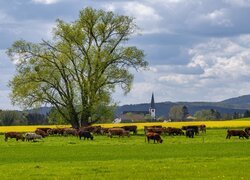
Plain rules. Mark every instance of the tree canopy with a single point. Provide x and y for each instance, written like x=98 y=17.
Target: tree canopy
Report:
x=78 y=70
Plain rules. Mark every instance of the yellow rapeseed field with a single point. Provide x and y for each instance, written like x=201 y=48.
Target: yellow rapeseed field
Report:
x=209 y=124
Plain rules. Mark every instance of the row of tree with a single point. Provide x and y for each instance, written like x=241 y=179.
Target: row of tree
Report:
x=180 y=113
x=11 y=117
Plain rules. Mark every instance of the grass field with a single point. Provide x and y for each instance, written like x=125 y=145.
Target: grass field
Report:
x=208 y=156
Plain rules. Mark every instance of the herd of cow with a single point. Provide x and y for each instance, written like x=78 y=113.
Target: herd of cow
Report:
x=151 y=132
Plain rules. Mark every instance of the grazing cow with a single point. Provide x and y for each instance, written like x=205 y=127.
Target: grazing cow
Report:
x=154 y=136
x=195 y=128
x=56 y=131
x=104 y=131
x=130 y=129
x=190 y=133
x=70 y=131
x=32 y=136
x=117 y=131
x=203 y=128
x=173 y=131
x=247 y=130
x=158 y=130
x=15 y=135
x=44 y=129
x=85 y=134
x=150 y=127
x=239 y=133
x=41 y=132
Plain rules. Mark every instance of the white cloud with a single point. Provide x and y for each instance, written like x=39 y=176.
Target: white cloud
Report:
x=218 y=17
x=45 y=1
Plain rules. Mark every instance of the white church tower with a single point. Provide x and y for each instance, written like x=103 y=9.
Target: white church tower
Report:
x=152 y=108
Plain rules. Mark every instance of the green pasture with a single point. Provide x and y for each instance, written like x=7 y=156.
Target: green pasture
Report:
x=208 y=156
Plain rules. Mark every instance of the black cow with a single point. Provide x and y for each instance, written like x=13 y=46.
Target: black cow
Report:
x=195 y=128
x=153 y=136
x=247 y=130
x=190 y=133
x=85 y=134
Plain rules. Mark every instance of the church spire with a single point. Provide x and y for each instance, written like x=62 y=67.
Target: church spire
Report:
x=152 y=108
x=152 y=105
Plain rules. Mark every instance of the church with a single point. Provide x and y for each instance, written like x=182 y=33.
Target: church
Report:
x=140 y=115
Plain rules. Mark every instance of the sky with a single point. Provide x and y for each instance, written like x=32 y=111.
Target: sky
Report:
x=198 y=50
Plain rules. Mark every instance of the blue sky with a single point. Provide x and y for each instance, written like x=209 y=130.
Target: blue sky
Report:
x=198 y=50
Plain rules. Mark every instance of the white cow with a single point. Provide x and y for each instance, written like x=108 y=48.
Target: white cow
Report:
x=32 y=136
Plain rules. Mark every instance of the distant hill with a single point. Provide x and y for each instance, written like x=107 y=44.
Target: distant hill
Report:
x=241 y=101
x=229 y=106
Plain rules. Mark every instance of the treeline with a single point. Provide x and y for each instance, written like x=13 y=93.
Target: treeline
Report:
x=12 y=117
x=180 y=113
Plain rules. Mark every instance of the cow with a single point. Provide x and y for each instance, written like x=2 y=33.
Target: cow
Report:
x=16 y=135
x=240 y=133
x=41 y=132
x=154 y=129
x=117 y=131
x=32 y=136
x=70 y=131
x=104 y=131
x=56 y=131
x=203 y=128
x=44 y=129
x=154 y=136
x=247 y=130
x=150 y=127
x=195 y=128
x=130 y=129
x=85 y=134
x=190 y=133
x=173 y=131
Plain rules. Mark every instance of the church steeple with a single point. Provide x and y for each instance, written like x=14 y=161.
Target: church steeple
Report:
x=152 y=105
x=152 y=108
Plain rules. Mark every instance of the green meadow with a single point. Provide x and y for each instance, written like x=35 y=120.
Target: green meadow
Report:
x=208 y=156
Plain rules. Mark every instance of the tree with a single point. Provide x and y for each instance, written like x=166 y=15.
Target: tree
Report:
x=9 y=117
x=80 y=69
x=246 y=114
x=178 y=112
x=36 y=119
x=207 y=114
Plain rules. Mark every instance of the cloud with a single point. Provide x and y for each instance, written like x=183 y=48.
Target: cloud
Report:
x=45 y=1
x=197 y=49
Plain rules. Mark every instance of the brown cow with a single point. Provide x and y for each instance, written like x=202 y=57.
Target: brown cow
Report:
x=158 y=130
x=203 y=128
x=16 y=135
x=70 y=131
x=56 y=131
x=153 y=136
x=117 y=131
x=239 y=133
x=41 y=132
x=44 y=129
x=173 y=131
x=104 y=131
x=130 y=129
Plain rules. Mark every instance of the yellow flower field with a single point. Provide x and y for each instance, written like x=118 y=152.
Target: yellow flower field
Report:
x=209 y=124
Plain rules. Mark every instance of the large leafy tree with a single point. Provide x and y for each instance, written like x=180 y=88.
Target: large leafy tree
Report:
x=80 y=68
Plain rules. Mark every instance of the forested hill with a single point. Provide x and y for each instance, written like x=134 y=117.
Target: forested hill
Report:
x=229 y=106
